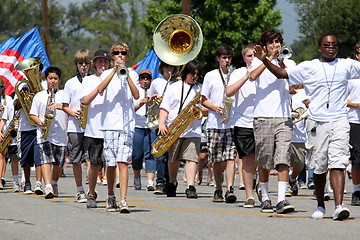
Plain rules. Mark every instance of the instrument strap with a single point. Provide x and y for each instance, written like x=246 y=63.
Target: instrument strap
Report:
x=222 y=78
x=79 y=77
x=182 y=95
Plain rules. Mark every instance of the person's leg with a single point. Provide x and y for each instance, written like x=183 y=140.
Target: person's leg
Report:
x=93 y=171
x=337 y=178
x=191 y=168
x=47 y=173
x=138 y=156
x=124 y=175
x=200 y=166
x=319 y=182
x=249 y=169
x=2 y=167
x=111 y=178
x=173 y=170
x=150 y=161
x=240 y=168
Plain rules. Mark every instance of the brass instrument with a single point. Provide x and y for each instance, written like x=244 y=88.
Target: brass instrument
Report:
x=10 y=132
x=31 y=68
x=285 y=52
x=298 y=114
x=178 y=126
x=227 y=101
x=84 y=108
x=177 y=40
x=122 y=72
x=49 y=116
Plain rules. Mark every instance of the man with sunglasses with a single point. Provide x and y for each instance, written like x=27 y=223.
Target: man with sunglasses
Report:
x=325 y=81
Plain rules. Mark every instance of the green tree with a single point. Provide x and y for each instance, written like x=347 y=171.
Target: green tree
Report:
x=317 y=17
x=235 y=22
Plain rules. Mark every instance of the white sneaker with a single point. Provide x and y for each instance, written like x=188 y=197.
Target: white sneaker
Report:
x=319 y=213
x=38 y=189
x=150 y=185
x=341 y=213
x=49 y=193
x=81 y=197
x=16 y=188
x=137 y=183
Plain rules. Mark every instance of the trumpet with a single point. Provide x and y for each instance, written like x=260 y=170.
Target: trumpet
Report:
x=285 y=52
x=122 y=72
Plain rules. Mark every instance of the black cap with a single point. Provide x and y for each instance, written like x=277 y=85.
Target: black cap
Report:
x=101 y=53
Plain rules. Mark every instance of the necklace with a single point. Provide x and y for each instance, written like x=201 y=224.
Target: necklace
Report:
x=329 y=84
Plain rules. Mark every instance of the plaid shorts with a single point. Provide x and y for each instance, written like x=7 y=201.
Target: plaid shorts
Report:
x=118 y=147
x=50 y=153
x=221 y=145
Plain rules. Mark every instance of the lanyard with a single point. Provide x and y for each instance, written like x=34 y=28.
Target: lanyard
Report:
x=182 y=95
x=329 y=85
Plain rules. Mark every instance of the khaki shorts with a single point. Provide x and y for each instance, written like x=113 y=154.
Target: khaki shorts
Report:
x=297 y=157
x=327 y=145
x=185 y=149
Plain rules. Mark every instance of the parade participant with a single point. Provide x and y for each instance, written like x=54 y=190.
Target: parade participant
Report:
x=47 y=107
x=325 y=81
x=73 y=91
x=118 y=122
x=244 y=92
x=272 y=126
x=222 y=151
x=187 y=146
x=93 y=135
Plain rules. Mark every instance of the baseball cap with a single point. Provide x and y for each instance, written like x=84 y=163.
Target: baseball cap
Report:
x=101 y=53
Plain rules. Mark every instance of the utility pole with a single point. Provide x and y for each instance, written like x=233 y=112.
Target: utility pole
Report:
x=46 y=27
x=186 y=7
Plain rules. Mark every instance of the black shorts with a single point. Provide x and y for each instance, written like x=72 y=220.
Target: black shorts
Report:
x=355 y=145
x=204 y=147
x=244 y=141
x=12 y=152
x=95 y=148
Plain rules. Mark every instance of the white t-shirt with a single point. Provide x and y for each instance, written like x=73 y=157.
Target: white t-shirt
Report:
x=353 y=91
x=8 y=113
x=317 y=78
x=299 y=129
x=272 y=97
x=95 y=108
x=118 y=107
x=243 y=106
x=140 y=119
x=171 y=103
x=73 y=91
x=213 y=90
x=157 y=86
x=57 y=133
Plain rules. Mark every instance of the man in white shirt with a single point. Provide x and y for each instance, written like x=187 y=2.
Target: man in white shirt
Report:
x=325 y=81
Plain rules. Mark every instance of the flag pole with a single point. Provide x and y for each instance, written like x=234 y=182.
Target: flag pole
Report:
x=46 y=27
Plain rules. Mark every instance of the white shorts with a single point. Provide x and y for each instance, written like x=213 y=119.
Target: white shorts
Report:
x=327 y=145
x=118 y=147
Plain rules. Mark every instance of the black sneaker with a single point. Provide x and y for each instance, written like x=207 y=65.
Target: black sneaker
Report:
x=218 y=196
x=294 y=187
x=230 y=197
x=284 y=207
x=3 y=182
x=159 y=189
x=355 y=198
x=191 y=192
x=266 y=207
x=171 y=189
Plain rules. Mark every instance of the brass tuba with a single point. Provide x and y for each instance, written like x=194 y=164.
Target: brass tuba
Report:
x=177 y=40
x=31 y=68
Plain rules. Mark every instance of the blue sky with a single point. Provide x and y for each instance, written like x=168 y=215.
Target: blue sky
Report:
x=289 y=25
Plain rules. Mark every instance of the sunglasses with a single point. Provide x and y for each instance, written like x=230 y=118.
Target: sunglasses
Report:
x=82 y=63
x=124 y=53
x=327 y=44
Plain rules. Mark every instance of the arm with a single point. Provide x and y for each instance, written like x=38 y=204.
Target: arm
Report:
x=210 y=106
x=133 y=88
x=141 y=103
x=232 y=89
x=162 y=117
x=69 y=111
x=36 y=120
x=351 y=104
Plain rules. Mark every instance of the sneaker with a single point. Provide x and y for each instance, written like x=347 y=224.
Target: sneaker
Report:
x=311 y=186
x=171 y=189
x=49 y=193
x=27 y=188
x=241 y=186
x=91 y=202
x=56 y=189
x=159 y=189
x=81 y=197
x=230 y=197
x=341 y=213
x=266 y=207
x=95 y=196
x=284 y=207
x=218 y=196
x=3 y=182
x=199 y=178
x=288 y=191
x=302 y=186
x=326 y=195
x=137 y=183
x=87 y=180
x=1 y=186
x=294 y=187
x=191 y=192
x=104 y=181
x=123 y=206
x=38 y=189
x=250 y=203
x=117 y=185
x=98 y=180
x=355 y=198
x=150 y=185
x=16 y=188
x=111 y=205
x=319 y=213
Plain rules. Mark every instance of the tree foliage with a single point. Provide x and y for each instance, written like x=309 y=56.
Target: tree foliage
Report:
x=235 y=22
x=318 y=17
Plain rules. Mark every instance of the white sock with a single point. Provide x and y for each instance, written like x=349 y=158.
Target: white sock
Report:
x=48 y=186
x=53 y=182
x=264 y=191
x=110 y=196
x=356 y=187
x=22 y=175
x=281 y=191
x=80 y=189
x=16 y=179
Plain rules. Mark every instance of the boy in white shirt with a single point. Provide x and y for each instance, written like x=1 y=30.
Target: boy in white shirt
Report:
x=73 y=91
x=53 y=148
x=325 y=81
x=118 y=122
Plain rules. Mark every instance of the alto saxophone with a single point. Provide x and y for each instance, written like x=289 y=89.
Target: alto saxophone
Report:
x=227 y=101
x=10 y=132
x=178 y=126
x=84 y=108
x=49 y=116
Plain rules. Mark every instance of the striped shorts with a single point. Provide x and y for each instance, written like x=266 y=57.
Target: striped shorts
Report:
x=118 y=147
x=221 y=145
x=50 y=153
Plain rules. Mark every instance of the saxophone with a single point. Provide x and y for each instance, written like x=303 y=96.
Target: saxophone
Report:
x=49 y=116
x=10 y=132
x=84 y=108
x=227 y=101
x=178 y=126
